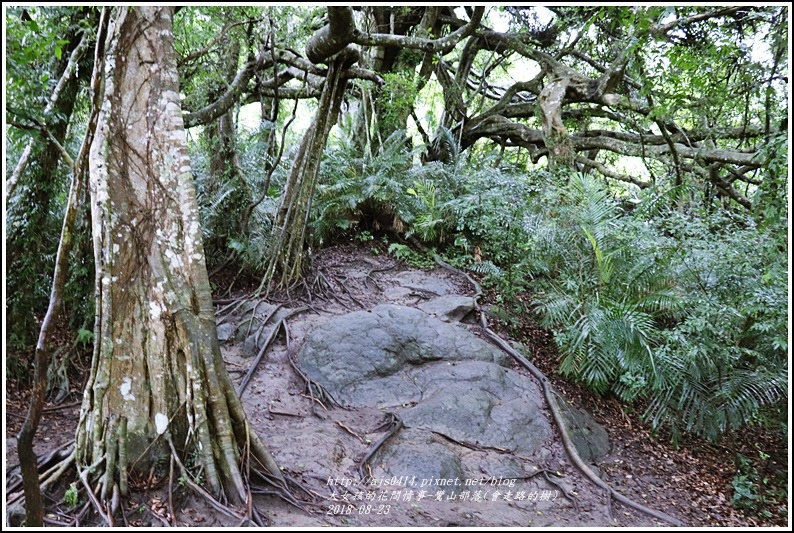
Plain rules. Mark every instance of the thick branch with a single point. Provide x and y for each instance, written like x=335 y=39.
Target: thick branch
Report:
x=662 y=29
x=308 y=91
x=704 y=155
x=443 y=44
x=334 y=36
x=289 y=57
x=601 y=68
x=229 y=98
x=688 y=137
x=498 y=127
x=611 y=173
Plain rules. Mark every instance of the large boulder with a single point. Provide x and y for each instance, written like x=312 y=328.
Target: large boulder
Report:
x=363 y=358
x=435 y=376
x=451 y=308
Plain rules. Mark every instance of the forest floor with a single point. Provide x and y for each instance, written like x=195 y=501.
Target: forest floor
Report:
x=691 y=483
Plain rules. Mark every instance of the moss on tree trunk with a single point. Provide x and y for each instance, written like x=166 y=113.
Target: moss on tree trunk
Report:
x=157 y=379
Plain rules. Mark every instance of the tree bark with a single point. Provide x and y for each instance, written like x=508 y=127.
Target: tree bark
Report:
x=285 y=259
x=157 y=378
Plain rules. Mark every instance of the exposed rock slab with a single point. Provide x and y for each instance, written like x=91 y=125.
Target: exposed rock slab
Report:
x=590 y=439
x=451 y=308
x=440 y=379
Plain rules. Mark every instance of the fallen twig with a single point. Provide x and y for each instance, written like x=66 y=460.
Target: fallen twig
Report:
x=172 y=515
x=356 y=435
x=62 y=406
x=282 y=413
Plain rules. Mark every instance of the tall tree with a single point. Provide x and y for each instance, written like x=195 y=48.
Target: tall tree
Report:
x=38 y=176
x=158 y=387
x=329 y=45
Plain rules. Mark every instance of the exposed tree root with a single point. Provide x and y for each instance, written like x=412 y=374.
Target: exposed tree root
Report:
x=83 y=475
x=265 y=346
x=53 y=465
x=349 y=294
x=325 y=289
x=265 y=321
x=323 y=397
x=232 y=306
x=188 y=479
x=555 y=411
x=394 y=424
x=547 y=474
x=81 y=514
x=369 y=277
x=472 y=445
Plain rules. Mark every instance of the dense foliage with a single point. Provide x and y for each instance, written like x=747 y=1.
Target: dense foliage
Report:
x=682 y=308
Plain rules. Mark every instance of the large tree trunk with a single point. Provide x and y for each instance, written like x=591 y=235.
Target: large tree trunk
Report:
x=157 y=379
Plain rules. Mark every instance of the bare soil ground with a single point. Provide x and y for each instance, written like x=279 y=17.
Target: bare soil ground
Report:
x=322 y=448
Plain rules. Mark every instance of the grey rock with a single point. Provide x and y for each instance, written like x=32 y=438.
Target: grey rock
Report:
x=588 y=436
x=481 y=403
x=420 y=281
x=419 y=461
x=520 y=348
x=435 y=376
x=363 y=358
x=225 y=332
x=250 y=347
x=396 y=293
x=251 y=315
x=450 y=308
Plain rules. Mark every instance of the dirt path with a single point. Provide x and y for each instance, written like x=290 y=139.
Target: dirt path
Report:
x=322 y=448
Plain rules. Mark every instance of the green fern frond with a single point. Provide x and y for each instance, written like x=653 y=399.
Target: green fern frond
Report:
x=486 y=267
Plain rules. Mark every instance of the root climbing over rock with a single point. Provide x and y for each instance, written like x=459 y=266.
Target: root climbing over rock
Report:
x=548 y=394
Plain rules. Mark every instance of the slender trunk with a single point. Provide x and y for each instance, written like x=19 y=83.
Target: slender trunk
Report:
x=27 y=457
x=36 y=181
x=285 y=260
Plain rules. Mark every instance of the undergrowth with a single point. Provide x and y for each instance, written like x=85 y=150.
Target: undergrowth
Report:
x=683 y=308
x=678 y=306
